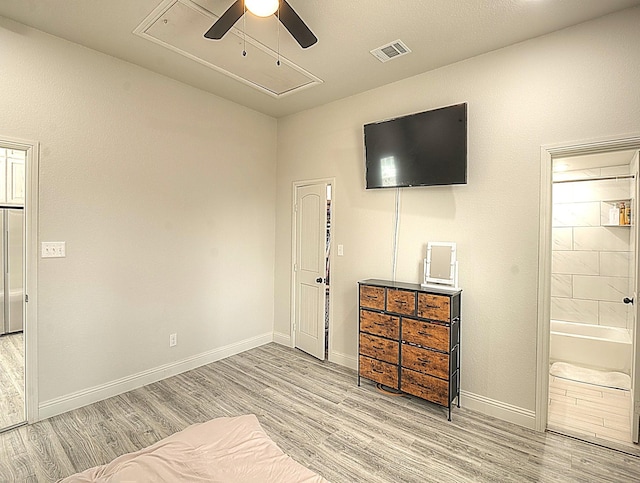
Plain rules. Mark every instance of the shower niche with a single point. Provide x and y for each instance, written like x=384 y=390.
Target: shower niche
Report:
x=616 y=213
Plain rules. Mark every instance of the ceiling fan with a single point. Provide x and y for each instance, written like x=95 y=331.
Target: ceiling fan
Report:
x=264 y=8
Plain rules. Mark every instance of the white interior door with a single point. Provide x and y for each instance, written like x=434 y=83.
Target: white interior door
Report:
x=310 y=268
x=635 y=363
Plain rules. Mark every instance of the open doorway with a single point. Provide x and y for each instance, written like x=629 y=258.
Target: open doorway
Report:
x=19 y=190
x=587 y=344
x=12 y=287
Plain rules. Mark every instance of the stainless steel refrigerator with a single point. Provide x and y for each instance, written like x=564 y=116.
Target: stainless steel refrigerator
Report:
x=12 y=280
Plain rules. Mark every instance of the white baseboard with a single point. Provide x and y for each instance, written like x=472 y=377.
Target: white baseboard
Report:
x=475 y=402
x=53 y=407
x=337 y=357
x=498 y=409
x=344 y=360
x=282 y=339
x=94 y=394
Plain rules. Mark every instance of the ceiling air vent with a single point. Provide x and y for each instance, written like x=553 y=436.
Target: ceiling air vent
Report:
x=390 y=51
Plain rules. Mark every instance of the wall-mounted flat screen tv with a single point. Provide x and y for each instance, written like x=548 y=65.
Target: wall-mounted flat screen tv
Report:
x=424 y=149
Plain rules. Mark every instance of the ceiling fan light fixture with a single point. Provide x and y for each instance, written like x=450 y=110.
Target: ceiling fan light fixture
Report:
x=287 y=16
x=262 y=8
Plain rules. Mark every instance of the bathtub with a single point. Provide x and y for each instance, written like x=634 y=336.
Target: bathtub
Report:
x=592 y=346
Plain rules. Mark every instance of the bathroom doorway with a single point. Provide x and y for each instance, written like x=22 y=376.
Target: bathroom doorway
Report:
x=592 y=288
x=587 y=337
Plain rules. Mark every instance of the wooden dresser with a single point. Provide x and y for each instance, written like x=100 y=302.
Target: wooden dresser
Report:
x=409 y=339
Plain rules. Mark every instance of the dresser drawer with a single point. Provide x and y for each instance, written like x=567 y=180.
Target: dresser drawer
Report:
x=434 y=307
x=401 y=301
x=379 y=371
x=425 y=386
x=379 y=348
x=426 y=334
x=380 y=324
x=425 y=361
x=372 y=297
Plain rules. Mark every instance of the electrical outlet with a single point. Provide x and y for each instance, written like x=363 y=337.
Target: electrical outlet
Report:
x=173 y=340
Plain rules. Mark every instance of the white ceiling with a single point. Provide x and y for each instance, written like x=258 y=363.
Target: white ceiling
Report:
x=438 y=32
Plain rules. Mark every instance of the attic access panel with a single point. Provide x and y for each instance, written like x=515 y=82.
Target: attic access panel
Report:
x=179 y=25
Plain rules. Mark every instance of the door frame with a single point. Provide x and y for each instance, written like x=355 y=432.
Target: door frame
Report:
x=292 y=317
x=547 y=154
x=634 y=417
x=32 y=162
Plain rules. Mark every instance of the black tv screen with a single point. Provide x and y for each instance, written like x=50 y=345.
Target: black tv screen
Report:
x=424 y=149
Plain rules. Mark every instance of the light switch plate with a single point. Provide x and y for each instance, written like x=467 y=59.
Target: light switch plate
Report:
x=54 y=250
x=340 y=250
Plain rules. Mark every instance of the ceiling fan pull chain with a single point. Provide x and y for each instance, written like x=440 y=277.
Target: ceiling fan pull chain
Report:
x=278 y=62
x=244 y=30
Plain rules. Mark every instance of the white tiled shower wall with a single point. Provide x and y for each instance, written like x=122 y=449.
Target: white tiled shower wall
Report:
x=591 y=262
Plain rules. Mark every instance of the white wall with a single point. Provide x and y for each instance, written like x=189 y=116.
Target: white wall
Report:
x=165 y=197
x=576 y=84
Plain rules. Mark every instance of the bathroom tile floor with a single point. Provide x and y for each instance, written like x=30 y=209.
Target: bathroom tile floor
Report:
x=593 y=412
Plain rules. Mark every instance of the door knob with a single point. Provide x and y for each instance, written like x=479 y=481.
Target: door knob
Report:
x=627 y=300
x=319 y=279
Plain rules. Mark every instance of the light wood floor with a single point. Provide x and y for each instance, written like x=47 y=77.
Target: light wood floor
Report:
x=590 y=412
x=11 y=380
x=318 y=415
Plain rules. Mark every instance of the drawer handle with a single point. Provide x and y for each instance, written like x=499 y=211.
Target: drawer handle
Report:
x=423 y=333
x=377 y=371
x=432 y=306
x=377 y=347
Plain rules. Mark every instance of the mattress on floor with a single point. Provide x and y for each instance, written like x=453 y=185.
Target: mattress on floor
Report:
x=221 y=450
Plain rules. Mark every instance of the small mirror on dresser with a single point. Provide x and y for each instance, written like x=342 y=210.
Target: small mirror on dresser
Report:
x=441 y=266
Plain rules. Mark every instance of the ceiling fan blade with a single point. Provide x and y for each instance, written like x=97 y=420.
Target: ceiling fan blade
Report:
x=226 y=21
x=296 y=27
